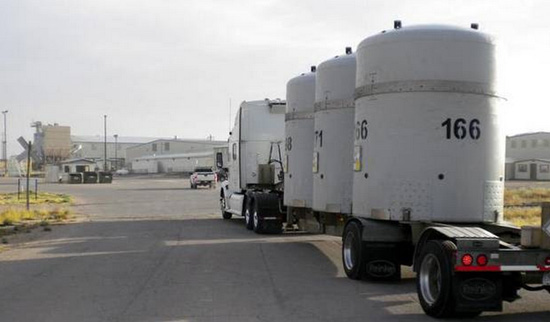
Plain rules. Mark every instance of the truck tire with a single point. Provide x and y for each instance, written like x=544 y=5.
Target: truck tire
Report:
x=353 y=251
x=257 y=221
x=225 y=214
x=434 y=279
x=248 y=214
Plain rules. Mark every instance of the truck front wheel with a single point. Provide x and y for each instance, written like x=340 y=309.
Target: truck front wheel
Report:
x=257 y=221
x=352 y=251
x=434 y=279
x=248 y=216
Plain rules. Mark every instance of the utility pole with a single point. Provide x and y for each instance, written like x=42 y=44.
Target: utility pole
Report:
x=5 y=145
x=116 y=148
x=105 y=143
x=28 y=173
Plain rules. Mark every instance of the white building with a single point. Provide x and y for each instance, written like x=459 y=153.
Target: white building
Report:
x=170 y=163
x=171 y=146
x=167 y=149
x=93 y=147
x=528 y=156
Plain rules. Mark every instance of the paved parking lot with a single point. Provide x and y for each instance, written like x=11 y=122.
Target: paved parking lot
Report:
x=155 y=250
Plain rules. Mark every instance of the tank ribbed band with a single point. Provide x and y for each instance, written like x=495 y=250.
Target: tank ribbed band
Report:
x=334 y=104
x=437 y=86
x=298 y=116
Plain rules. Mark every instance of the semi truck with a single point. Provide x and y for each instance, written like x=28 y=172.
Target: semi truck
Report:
x=399 y=149
x=255 y=183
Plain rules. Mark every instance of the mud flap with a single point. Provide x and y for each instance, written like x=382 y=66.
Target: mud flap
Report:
x=478 y=292
x=382 y=262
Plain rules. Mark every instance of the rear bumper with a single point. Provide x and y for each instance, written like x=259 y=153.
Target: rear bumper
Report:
x=203 y=183
x=506 y=260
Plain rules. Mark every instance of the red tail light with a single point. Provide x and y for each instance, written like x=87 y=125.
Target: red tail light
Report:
x=467 y=260
x=547 y=261
x=482 y=260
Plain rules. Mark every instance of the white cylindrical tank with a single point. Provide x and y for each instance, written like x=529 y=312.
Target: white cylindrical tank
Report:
x=428 y=138
x=300 y=96
x=333 y=136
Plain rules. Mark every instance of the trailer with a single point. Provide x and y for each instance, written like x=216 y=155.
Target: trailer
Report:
x=407 y=165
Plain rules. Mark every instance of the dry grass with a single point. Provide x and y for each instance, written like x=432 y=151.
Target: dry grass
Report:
x=523 y=216
x=42 y=198
x=20 y=216
x=525 y=196
x=522 y=206
x=14 y=218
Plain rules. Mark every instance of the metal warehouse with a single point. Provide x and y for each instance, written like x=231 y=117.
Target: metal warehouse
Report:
x=170 y=147
x=170 y=163
x=93 y=147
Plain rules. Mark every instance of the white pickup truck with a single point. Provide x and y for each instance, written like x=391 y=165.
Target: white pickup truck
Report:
x=202 y=177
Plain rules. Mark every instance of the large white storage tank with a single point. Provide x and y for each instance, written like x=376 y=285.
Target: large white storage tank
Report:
x=333 y=135
x=429 y=143
x=300 y=97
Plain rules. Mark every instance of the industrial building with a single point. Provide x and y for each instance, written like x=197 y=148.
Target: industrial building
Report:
x=54 y=150
x=173 y=163
x=139 y=152
x=175 y=155
x=93 y=148
x=51 y=144
x=528 y=156
x=171 y=146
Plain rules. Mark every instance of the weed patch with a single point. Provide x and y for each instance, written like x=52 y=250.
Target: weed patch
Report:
x=40 y=198
x=523 y=216
x=523 y=205
x=18 y=216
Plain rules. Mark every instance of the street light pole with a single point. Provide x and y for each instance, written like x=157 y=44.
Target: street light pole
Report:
x=5 y=145
x=116 y=148
x=105 y=143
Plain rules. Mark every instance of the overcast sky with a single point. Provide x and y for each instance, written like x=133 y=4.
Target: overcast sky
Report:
x=170 y=67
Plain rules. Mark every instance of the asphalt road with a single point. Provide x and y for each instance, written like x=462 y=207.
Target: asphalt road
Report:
x=155 y=250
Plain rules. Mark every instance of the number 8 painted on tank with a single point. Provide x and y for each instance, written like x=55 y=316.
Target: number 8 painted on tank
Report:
x=288 y=144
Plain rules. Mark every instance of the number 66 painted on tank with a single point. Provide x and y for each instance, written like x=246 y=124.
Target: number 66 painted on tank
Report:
x=459 y=128
x=361 y=130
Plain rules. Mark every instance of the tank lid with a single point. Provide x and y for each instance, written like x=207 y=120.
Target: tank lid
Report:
x=313 y=69
x=348 y=50
x=429 y=32
x=397 y=24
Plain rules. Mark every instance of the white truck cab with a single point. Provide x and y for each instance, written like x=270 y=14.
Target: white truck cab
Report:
x=256 y=152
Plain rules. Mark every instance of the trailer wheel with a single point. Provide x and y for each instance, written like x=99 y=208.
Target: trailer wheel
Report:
x=248 y=216
x=353 y=252
x=225 y=214
x=434 y=279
